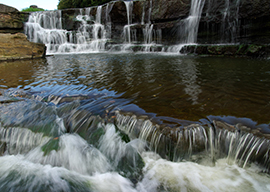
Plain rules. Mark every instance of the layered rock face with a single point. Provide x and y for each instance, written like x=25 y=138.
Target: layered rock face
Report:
x=221 y=21
x=11 y=20
x=13 y=44
x=16 y=46
x=239 y=21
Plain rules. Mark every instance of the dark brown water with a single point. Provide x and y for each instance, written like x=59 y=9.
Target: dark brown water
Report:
x=181 y=87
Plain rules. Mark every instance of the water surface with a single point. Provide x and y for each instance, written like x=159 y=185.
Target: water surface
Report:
x=57 y=128
x=175 y=86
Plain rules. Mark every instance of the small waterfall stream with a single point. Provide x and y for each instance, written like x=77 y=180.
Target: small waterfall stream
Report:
x=45 y=27
x=219 y=141
x=75 y=150
x=127 y=31
x=94 y=33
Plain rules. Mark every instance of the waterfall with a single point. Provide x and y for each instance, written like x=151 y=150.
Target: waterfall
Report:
x=46 y=27
x=230 y=22
x=92 y=34
x=127 y=31
x=191 y=24
x=148 y=29
x=87 y=32
x=219 y=140
x=188 y=28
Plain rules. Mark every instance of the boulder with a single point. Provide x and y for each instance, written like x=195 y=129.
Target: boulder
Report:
x=16 y=46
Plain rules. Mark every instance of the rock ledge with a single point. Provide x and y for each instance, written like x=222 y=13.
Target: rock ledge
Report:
x=16 y=46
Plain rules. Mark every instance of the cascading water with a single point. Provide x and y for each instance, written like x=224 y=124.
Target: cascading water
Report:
x=230 y=22
x=192 y=22
x=94 y=33
x=178 y=144
x=46 y=27
x=188 y=28
x=229 y=28
x=127 y=30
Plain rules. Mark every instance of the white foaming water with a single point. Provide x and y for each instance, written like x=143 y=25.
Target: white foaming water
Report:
x=127 y=33
x=189 y=27
x=93 y=35
x=115 y=149
x=188 y=176
x=79 y=166
x=23 y=175
x=46 y=27
x=74 y=154
x=20 y=140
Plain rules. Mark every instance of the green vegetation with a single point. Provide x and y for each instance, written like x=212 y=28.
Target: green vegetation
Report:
x=64 y=4
x=30 y=9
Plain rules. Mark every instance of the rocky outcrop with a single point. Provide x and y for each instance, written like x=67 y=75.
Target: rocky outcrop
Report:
x=16 y=46
x=244 y=21
x=11 y=20
x=159 y=24
x=222 y=21
x=250 y=50
x=7 y=9
x=13 y=44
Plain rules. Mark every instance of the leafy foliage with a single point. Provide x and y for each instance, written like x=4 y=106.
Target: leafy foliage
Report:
x=64 y=4
x=30 y=9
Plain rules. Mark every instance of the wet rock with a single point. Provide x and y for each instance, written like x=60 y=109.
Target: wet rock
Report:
x=169 y=10
x=262 y=51
x=238 y=142
x=4 y=99
x=16 y=46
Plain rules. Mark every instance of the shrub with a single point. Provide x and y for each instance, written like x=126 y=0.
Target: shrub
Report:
x=32 y=9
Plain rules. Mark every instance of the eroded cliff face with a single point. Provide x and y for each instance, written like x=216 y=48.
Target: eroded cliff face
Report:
x=13 y=43
x=11 y=20
x=235 y=21
x=222 y=21
x=16 y=46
